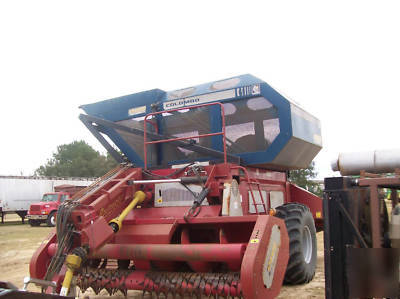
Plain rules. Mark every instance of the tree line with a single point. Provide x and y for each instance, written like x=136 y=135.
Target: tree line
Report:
x=79 y=159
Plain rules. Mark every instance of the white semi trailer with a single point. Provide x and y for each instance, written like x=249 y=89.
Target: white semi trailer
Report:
x=17 y=193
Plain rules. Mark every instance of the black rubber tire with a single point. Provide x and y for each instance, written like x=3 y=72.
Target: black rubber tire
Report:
x=49 y=219
x=33 y=222
x=299 y=222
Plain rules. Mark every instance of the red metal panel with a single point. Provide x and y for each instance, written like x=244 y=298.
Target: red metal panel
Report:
x=265 y=175
x=200 y=220
x=154 y=215
x=255 y=256
x=312 y=201
x=133 y=281
x=41 y=258
x=145 y=233
x=97 y=234
x=202 y=266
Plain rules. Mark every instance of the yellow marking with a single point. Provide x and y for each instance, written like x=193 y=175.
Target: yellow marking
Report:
x=159 y=200
x=253 y=241
x=138 y=207
x=318 y=214
x=137 y=110
x=272 y=256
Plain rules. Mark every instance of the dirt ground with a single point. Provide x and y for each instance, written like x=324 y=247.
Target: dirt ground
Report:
x=18 y=242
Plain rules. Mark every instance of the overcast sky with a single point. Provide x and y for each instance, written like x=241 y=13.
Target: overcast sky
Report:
x=340 y=60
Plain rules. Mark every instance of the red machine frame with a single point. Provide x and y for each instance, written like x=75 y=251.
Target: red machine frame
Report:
x=162 y=240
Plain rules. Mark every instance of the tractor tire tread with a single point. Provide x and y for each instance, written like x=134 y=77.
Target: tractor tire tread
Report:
x=296 y=216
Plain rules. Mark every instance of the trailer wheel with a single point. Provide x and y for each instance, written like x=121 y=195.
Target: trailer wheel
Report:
x=303 y=242
x=51 y=220
x=34 y=222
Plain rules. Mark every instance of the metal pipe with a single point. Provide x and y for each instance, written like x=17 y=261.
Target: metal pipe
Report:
x=379 y=161
x=183 y=180
x=168 y=252
x=136 y=182
x=173 y=252
x=375 y=217
x=185 y=138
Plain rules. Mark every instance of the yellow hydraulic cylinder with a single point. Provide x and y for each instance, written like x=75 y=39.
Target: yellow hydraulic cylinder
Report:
x=138 y=198
x=73 y=262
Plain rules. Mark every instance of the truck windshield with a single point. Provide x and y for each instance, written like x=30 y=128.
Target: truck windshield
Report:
x=50 y=197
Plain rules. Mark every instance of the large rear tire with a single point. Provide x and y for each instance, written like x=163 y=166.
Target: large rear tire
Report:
x=303 y=242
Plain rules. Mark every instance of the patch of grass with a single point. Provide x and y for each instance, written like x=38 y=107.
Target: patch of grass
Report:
x=13 y=222
x=17 y=235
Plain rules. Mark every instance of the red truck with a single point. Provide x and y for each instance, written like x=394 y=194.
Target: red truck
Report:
x=46 y=210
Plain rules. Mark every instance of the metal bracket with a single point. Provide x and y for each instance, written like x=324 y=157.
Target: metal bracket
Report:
x=39 y=282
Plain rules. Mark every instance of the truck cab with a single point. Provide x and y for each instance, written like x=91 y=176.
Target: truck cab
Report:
x=45 y=211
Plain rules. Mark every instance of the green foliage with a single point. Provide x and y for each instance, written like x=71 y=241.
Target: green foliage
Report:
x=77 y=159
x=304 y=178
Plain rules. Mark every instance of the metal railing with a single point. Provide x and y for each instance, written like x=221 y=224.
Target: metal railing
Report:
x=222 y=133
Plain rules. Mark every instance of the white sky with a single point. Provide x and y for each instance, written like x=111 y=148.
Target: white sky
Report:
x=339 y=60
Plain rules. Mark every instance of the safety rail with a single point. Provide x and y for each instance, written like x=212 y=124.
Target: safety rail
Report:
x=183 y=138
x=256 y=182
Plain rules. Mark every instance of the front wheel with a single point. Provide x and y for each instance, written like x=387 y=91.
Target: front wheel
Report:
x=51 y=220
x=303 y=242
